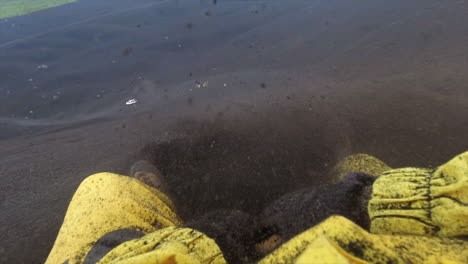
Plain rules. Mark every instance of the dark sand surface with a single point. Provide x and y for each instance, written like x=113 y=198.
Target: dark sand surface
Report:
x=292 y=87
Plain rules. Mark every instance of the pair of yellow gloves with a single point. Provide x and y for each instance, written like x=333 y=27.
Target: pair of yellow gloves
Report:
x=417 y=216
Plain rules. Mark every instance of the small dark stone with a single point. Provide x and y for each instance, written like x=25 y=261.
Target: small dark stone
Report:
x=127 y=51
x=263 y=85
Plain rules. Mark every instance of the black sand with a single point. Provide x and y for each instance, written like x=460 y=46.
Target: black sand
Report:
x=307 y=83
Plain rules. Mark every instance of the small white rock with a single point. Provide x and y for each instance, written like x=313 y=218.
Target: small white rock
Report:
x=131 y=101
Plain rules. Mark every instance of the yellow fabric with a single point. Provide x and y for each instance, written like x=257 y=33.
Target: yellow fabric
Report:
x=358 y=163
x=321 y=248
x=405 y=201
x=339 y=240
x=106 y=202
x=422 y=201
x=169 y=245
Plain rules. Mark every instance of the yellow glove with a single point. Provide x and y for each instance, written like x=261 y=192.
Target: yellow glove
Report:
x=422 y=201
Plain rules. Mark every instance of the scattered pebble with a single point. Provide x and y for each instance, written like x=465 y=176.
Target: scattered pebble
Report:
x=179 y=45
x=166 y=37
x=199 y=84
x=131 y=101
x=225 y=85
x=98 y=96
x=42 y=67
x=55 y=97
x=30 y=80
